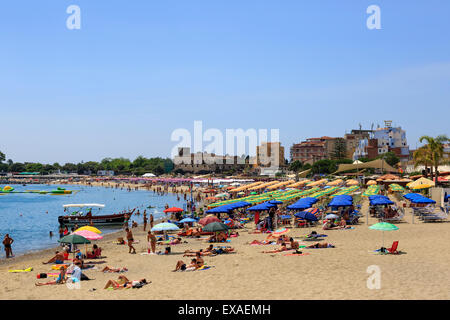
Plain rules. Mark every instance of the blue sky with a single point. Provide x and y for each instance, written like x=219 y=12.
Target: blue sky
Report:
x=137 y=70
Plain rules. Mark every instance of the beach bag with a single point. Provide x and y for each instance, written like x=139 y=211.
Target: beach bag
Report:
x=41 y=275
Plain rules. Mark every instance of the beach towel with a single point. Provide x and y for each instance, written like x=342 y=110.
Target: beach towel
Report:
x=21 y=270
x=57 y=266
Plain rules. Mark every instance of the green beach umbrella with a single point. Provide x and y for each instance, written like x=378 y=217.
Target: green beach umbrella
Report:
x=215 y=227
x=383 y=226
x=74 y=239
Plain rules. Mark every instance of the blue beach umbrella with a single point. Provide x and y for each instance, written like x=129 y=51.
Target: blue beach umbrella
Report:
x=261 y=207
x=306 y=216
x=188 y=220
x=275 y=202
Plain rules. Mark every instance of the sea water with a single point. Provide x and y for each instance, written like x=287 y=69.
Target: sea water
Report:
x=29 y=217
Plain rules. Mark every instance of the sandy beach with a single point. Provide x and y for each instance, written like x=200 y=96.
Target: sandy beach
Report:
x=421 y=272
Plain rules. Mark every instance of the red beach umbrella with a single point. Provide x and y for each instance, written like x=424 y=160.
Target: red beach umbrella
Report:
x=207 y=220
x=173 y=209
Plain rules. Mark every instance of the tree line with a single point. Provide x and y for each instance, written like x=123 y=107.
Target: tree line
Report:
x=121 y=166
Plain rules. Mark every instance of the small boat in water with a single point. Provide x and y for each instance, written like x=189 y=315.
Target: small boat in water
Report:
x=82 y=219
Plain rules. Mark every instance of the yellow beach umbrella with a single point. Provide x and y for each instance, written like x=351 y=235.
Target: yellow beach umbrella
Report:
x=421 y=181
x=422 y=186
x=371 y=183
x=89 y=228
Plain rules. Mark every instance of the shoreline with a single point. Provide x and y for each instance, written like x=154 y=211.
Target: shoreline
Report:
x=50 y=250
x=340 y=273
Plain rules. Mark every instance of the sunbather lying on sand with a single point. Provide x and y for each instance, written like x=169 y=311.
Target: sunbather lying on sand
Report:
x=173 y=241
x=181 y=266
x=207 y=251
x=283 y=248
x=321 y=245
x=264 y=242
x=61 y=278
x=112 y=269
x=294 y=244
x=123 y=282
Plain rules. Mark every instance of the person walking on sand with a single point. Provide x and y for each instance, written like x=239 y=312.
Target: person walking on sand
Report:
x=130 y=241
x=151 y=239
x=7 y=242
x=145 y=220
x=151 y=220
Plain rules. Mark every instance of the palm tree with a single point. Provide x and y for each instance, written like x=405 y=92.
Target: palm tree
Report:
x=422 y=158
x=435 y=151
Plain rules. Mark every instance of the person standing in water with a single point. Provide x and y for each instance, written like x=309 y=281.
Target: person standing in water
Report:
x=7 y=242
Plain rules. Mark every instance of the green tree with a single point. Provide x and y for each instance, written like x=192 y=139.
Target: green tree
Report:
x=340 y=149
x=295 y=166
x=325 y=166
x=435 y=151
x=2 y=157
x=390 y=158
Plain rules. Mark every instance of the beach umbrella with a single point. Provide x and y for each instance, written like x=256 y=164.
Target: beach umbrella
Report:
x=207 y=220
x=280 y=232
x=165 y=226
x=253 y=192
x=275 y=202
x=314 y=211
x=222 y=195
x=422 y=186
x=173 y=209
x=215 y=227
x=88 y=234
x=74 y=239
x=306 y=216
x=371 y=183
x=331 y=216
x=383 y=226
x=188 y=220
x=89 y=228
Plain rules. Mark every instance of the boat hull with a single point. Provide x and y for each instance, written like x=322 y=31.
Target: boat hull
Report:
x=105 y=220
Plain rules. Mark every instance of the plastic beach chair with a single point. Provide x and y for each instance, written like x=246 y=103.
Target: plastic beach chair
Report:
x=393 y=249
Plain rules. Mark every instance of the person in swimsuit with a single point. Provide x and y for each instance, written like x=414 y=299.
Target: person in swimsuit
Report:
x=7 y=242
x=151 y=239
x=321 y=245
x=58 y=258
x=294 y=244
x=130 y=239
x=112 y=269
x=206 y=252
x=181 y=266
x=199 y=260
x=283 y=248
x=123 y=282
x=59 y=280
x=145 y=220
